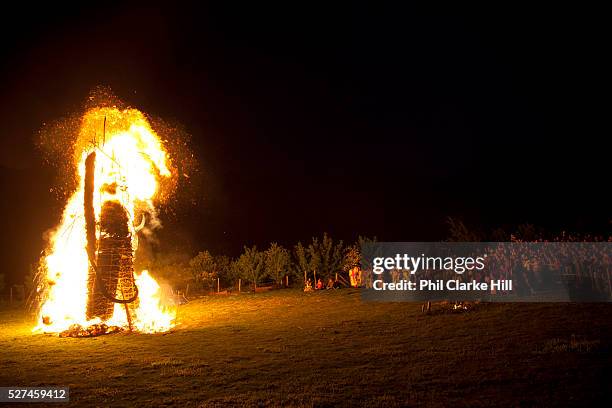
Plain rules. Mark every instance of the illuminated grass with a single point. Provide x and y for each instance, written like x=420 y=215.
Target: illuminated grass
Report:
x=329 y=348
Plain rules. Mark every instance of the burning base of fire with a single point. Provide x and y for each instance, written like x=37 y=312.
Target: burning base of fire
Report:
x=76 y=330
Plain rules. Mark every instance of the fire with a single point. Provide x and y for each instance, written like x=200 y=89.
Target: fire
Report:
x=130 y=160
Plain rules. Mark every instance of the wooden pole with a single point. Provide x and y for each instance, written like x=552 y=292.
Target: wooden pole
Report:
x=239 y=284
x=287 y=281
x=127 y=312
x=218 y=285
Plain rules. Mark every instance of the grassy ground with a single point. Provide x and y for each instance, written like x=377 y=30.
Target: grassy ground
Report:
x=320 y=349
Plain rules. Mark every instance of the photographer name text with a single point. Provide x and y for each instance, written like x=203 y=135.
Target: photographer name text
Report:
x=442 y=285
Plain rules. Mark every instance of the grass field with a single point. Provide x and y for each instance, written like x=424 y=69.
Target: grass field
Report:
x=330 y=348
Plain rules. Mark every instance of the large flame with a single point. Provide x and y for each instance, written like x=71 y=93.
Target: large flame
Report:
x=130 y=154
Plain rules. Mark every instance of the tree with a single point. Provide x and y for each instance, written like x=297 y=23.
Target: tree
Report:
x=321 y=257
x=368 y=250
x=169 y=266
x=458 y=232
x=203 y=269
x=302 y=263
x=223 y=269
x=250 y=265
x=277 y=262
x=528 y=232
x=499 y=235
x=325 y=257
x=351 y=257
x=331 y=255
x=314 y=258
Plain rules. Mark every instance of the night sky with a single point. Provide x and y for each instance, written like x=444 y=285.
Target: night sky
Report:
x=351 y=120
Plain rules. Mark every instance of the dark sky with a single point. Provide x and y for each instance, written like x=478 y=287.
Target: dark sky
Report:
x=352 y=120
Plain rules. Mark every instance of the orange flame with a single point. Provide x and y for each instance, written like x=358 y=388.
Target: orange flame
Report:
x=130 y=154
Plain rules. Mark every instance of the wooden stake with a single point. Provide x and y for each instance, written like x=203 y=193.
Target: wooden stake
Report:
x=239 y=284
x=127 y=311
x=218 y=285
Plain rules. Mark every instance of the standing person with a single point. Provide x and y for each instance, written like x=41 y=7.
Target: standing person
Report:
x=395 y=275
x=353 y=276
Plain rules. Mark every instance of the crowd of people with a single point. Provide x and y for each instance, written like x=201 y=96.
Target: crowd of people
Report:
x=331 y=284
x=355 y=281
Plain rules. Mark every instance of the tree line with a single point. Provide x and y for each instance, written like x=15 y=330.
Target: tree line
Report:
x=321 y=258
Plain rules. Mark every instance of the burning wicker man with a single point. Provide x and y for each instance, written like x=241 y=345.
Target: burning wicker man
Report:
x=92 y=285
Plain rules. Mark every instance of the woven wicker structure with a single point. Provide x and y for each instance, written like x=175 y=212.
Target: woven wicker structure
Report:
x=111 y=271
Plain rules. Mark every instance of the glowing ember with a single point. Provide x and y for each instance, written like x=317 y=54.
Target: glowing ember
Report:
x=129 y=162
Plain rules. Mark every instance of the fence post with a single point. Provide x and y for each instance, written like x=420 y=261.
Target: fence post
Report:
x=218 y=285
x=239 y=284
x=287 y=280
